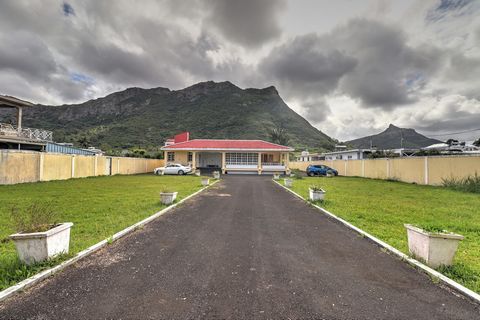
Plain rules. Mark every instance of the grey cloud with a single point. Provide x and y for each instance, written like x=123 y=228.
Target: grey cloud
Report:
x=364 y=59
x=316 y=111
x=306 y=66
x=250 y=23
x=27 y=54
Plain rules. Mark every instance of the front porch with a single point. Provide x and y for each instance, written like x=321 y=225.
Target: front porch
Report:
x=232 y=162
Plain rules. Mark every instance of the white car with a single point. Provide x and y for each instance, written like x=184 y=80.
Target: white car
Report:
x=173 y=168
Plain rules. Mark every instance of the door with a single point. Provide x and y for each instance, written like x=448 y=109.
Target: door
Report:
x=108 y=166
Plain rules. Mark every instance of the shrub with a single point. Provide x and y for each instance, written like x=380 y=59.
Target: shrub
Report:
x=316 y=188
x=298 y=174
x=37 y=217
x=467 y=184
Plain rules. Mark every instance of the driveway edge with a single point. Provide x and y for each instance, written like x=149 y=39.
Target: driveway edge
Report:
x=431 y=272
x=85 y=253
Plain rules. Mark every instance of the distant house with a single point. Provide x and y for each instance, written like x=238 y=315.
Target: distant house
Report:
x=306 y=156
x=454 y=147
x=229 y=156
x=353 y=154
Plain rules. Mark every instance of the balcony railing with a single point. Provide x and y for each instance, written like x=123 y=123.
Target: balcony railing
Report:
x=27 y=134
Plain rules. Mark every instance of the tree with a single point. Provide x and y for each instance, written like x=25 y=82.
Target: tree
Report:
x=477 y=143
x=83 y=141
x=279 y=135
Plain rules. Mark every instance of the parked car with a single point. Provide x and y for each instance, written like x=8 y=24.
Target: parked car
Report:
x=173 y=168
x=320 y=170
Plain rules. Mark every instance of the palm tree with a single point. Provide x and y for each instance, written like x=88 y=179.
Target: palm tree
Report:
x=279 y=135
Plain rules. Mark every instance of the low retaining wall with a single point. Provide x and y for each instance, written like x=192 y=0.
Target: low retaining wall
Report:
x=29 y=166
x=421 y=170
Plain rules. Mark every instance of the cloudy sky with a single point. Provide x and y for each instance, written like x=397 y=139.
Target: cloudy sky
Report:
x=350 y=67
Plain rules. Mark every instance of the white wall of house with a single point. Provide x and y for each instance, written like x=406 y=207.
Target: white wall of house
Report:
x=346 y=155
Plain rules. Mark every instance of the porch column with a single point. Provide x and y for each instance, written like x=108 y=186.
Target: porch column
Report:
x=194 y=163
x=224 y=165
x=259 y=163
x=165 y=157
x=19 y=118
x=287 y=162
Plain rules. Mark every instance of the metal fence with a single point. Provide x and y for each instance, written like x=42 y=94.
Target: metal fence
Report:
x=28 y=134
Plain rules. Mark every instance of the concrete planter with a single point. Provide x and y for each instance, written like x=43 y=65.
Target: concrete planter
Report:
x=317 y=195
x=276 y=176
x=288 y=183
x=435 y=249
x=205 y=182
x=197 y=173
x=39 y=246
x=216 y=175
x=168 y=197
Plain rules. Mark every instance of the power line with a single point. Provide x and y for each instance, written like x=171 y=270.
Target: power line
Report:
x=452 y=133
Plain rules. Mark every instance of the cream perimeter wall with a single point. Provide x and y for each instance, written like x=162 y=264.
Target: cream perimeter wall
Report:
x=26 y=166
x=421 y=170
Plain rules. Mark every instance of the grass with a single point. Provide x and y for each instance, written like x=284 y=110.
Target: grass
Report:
x=99 y=207
x=382 y=208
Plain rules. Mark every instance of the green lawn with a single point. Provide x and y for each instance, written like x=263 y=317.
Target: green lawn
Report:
x=99 y=207
x=382 y=207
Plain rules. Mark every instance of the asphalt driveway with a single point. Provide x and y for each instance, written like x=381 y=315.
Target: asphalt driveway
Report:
x=244 y=249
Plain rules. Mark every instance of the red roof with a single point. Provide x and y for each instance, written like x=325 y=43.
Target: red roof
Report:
x=207 y=144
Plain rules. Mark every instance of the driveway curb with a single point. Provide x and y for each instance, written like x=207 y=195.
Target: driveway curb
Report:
x=433 y=273
x=84 y=253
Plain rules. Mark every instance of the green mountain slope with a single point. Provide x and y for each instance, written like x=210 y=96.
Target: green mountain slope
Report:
x=144 y=118
x=393 y=137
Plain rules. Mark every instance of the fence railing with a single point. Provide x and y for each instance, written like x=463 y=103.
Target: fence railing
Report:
x=29 y=134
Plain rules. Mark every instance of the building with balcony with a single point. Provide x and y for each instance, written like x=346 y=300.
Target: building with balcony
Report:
x=16 y=136
x=228 y=156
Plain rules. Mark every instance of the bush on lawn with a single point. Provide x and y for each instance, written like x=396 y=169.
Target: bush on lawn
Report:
x=37 y=217
x=467 y=184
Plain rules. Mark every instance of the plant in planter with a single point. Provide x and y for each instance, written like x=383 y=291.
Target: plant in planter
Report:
x=168 y=196
x=39 y=236
x=205 y=182
x=216 y=174
x=276 y=176
x=288 y=182
x=316 y=193
x=435 y=246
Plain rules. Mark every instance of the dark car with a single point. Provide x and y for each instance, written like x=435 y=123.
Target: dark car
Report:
x=320 y=170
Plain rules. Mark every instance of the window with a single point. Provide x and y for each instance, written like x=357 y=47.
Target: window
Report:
x=170 y=156
x=266 y=158
x=190 y=157
x=241 y=158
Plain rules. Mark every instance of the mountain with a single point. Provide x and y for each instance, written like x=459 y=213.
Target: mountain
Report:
x=392 y=139
x=144 y=118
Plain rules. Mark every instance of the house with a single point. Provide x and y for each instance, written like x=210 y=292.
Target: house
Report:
x=454 y=147
x=306 y=156
x=229 y=156
x=16 y=136
x=353 y=154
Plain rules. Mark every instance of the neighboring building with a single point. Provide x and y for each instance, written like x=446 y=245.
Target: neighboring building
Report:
x=67 y=148
x=306 y=156
x=229 y=156
x=354 y=154
x=18 y=137
x=454 y=147
x=95 y=151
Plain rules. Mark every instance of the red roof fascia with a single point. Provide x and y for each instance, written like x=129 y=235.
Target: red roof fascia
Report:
x=227 y=144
